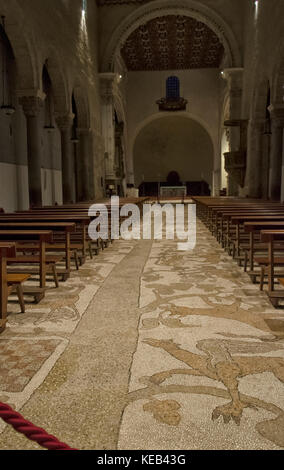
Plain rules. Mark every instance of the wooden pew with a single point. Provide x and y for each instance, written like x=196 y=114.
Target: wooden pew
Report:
x=229 y=217
x=219 y=219
x=92 y=246
x=6 y=250
x=255 y=226
x=42 y=260
x=81 y=222
x=207 y=204
x=15 y=281
x=237 y=223
x=66 y=228
x=64 y=213
x=270 y=236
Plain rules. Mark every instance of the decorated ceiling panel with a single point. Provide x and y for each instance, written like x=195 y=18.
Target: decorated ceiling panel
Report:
x=172 y=43
x=120 y=2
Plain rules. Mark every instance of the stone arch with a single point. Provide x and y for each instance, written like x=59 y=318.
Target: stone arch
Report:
x=159 y=115
x=161 y=121
x=158 y=8
x=82 y=105
x=23 y=45
x=60 y=89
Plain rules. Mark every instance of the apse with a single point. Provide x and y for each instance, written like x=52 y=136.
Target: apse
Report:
x=173 y=143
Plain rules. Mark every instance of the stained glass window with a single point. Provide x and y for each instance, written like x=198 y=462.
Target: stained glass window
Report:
x=173 y=88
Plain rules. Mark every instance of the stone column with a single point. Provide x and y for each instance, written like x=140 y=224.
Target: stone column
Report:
x=275 y=173
x=234 y=77
x=119 y=155
x=265 y=146
x=91 y=166
x=108 y=83
x=254 y=164
x=84 y=165
x=64 y=124
x=32 y=106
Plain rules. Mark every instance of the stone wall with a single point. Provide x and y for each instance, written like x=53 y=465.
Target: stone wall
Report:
x=57 y=34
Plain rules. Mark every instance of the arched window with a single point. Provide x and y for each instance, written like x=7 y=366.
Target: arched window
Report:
x=173 y=88
x=173 y=100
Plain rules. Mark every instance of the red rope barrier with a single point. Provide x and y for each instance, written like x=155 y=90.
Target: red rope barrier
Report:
x=33 y=433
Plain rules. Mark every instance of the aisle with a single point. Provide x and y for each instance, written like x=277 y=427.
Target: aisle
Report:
x=67 y=360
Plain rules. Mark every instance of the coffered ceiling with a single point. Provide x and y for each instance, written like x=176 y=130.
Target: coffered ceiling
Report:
x=120 y=2
x=172 y=43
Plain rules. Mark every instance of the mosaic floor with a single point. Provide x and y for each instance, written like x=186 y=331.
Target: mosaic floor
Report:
x=204 y=369
x=208 y=372
x=34 y=341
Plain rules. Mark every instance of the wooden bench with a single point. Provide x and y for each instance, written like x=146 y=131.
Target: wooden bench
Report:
x=49 y=262
x=230 y=235
x=81 y=223
x=42 y=237
x=238 y=225
x=63 y=213
x=206 y=207
x=62 y=229
x=253 y=227
x=270 y=236
x=6 y=249
x=15 y=281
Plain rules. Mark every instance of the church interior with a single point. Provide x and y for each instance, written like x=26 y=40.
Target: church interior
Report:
x=130 y=343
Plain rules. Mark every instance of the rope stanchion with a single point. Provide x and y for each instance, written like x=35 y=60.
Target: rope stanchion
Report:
x=33 y=433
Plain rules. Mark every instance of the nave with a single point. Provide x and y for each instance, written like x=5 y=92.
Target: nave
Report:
x=186 y=353
x=121 y=344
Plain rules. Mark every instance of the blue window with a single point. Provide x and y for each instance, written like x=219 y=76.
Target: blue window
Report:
x=173 y=88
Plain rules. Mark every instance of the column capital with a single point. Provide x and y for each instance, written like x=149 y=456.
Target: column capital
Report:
x=109 y=77
x=234 y=78
x=108 y=85
x=32 y=105
x=36 y=93
x=233 y=73
x=64 y=122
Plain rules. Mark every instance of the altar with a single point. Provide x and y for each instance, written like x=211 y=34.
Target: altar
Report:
x=173 y=191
